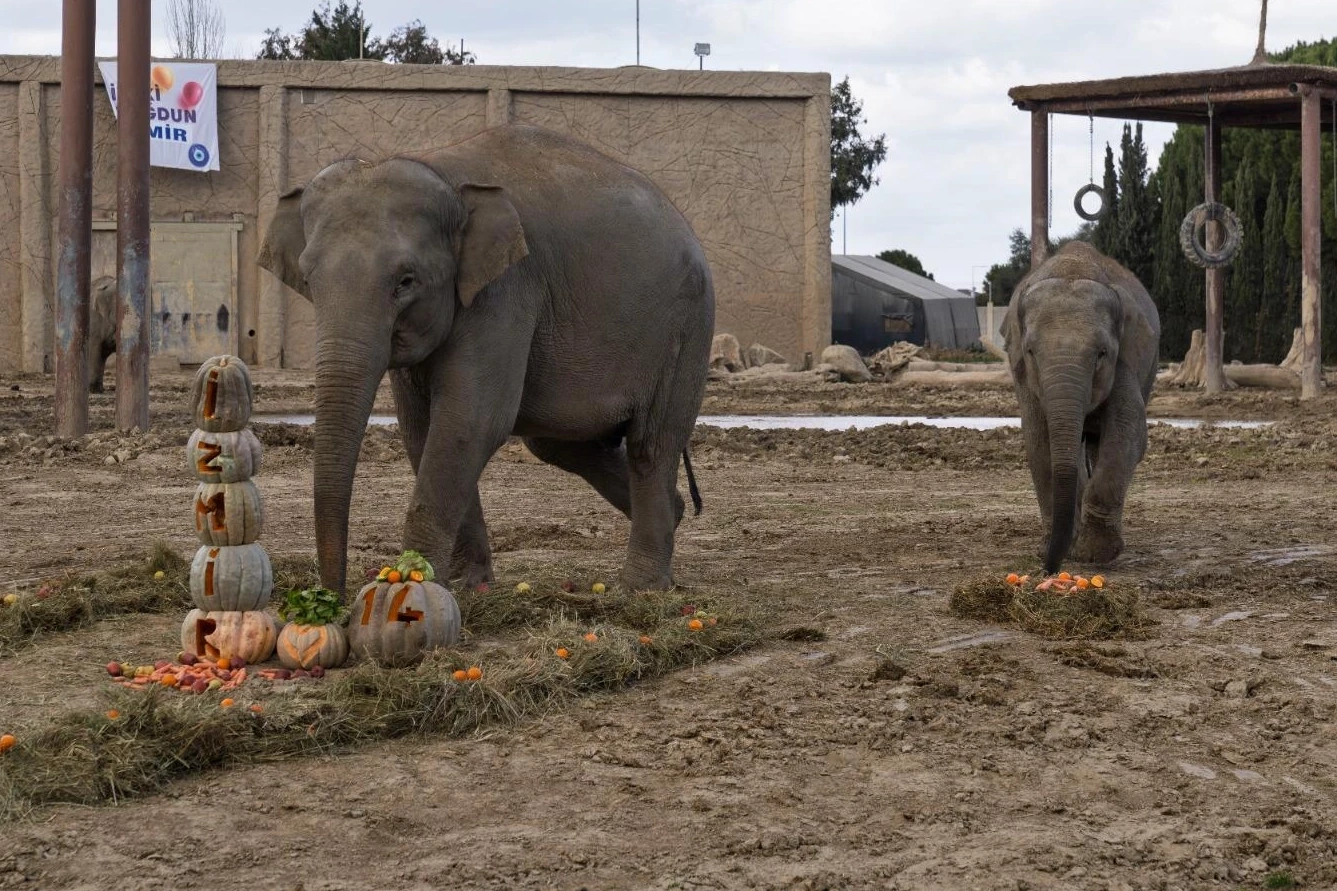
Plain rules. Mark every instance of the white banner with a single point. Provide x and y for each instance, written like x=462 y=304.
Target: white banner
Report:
x=183 y=113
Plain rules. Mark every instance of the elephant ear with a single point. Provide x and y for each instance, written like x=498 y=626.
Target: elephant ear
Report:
x=284 y=243
x=1139 y=345
x=493 y=239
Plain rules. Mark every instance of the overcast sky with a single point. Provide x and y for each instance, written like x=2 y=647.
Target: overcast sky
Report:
x=933 y=76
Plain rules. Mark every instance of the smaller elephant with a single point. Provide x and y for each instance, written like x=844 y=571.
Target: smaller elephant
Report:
x=101 y=328
x=1083 y=337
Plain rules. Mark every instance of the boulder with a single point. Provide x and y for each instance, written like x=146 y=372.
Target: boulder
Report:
x=845 y=360
x=758 y=355
x=726 y=354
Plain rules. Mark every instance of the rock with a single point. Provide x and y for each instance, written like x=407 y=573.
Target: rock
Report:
x=889 y=360
x=725 y=353
x=1237 y=689
x=1255 y=864
x=845 y=360
x=758 y=355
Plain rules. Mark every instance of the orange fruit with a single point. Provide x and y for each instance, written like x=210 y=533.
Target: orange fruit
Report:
x=645 y=639
x=475 y=673
x=112 y=714
x=562 y=652
x=169 y=680
x=696 y=625
x=460 y=674
x=1082 y=584
x=1097 y=581
x=1064 y=576
x=7 y=742
x=1013 y=578
x=415 y=576
x=395 y=577
x=224 y=663
x=257 y=708
x=227 y=703
x=591 y=637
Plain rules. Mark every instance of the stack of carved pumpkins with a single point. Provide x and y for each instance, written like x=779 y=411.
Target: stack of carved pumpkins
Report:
x=230 y=578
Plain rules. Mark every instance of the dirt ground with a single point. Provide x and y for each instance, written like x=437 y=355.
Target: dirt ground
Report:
x=903 y=748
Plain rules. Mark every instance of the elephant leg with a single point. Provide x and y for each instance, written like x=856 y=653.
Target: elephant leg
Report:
x=1122 y=443
x=602 y=465
x=471 y=557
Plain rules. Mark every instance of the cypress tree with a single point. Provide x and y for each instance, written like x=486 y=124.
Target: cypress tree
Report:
x=1133 y=235
x=1273 y=325
x=1102 y=237
x=1244 y=276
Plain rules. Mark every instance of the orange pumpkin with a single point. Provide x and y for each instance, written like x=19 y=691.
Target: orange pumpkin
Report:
x=222 y=395
x=227 y=635
x=302 y=646
x=235 y=579
x=228 y=513
x=395 y=623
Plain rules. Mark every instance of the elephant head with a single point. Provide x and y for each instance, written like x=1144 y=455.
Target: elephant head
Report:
x=388 y=253
x=1077 y=329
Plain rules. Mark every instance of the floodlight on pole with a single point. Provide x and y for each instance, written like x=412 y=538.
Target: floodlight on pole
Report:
x=702 y=50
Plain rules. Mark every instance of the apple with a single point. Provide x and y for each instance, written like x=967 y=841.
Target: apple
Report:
x=214 y=684
x=318 y=671
x=522 y=588
x=200 y=685
x=114 y=669
x=11 y=599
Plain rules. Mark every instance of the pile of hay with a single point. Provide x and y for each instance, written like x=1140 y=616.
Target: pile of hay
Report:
x=86 y=757
x=1093 y=613
x=78 y=600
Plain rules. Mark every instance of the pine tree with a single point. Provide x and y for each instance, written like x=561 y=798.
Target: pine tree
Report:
x=1102 y=237
x=1244 y=276
x=1274 y=326
x=1135 y=216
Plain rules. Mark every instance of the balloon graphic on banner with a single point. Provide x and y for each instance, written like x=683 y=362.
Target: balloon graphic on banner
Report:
x=191 y=94
x=162 y=77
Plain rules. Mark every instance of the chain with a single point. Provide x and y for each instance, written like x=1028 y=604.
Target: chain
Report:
x=1091 y=133
x=1050 y=128
x=1207 y=158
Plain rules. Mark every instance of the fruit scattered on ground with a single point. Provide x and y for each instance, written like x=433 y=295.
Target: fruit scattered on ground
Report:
x=112 y=714
x=227 y=703
x=562 y=652
x=1063 y=583
x=1097 y=581
x=522 y=588
x=7 y=742
x=591 y=637
x=598 y=587
x=160 y=575
x=460 y=675
x=647 y=639
x=475 y=673
x=189 y=675
x=695 y=625
x=568 y=586
x=11 y=599
x=257 y=708
x=114 y=669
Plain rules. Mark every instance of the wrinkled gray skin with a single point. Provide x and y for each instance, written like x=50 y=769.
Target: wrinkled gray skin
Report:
x=101 y=328
x=1082 y=341
x=518 y=283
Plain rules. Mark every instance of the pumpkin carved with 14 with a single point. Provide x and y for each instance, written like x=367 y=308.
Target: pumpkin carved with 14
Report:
x=395 y=623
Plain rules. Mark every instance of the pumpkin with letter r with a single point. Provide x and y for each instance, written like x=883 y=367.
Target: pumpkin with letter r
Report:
x=402 y=614
x=227 y=635
x=313 y=635
x=221 y=396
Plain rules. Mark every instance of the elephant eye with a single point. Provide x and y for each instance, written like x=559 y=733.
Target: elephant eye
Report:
x=406 y=282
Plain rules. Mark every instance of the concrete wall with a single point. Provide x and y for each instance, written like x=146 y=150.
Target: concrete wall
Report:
x=745 y=155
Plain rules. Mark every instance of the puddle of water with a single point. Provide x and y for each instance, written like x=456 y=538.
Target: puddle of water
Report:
x=825 y=422
x=1287 y=556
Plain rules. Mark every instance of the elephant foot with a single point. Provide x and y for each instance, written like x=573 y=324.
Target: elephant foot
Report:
x=471 y=570
x=645 y=576
x=1098 y=545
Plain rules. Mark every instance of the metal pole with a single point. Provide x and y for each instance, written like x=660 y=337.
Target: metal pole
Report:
x=1039 y=187
x=1311 y=242
x=132 y=214
x=78 y=25
x=1215 y=376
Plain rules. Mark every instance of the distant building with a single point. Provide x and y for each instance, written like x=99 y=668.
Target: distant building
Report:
x=875 y=304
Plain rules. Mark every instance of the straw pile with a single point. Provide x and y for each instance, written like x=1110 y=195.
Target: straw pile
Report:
x=1083 y=614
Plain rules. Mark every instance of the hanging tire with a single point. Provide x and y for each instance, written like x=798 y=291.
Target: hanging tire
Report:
x=1196 y=220
x=1090 y=189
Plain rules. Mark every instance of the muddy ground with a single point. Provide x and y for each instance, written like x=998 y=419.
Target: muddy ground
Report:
x=907 y=749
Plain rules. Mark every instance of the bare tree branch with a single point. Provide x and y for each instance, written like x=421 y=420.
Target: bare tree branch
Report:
x=196 y=28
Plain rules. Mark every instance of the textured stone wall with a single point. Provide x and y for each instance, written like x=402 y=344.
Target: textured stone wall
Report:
x=744 y=155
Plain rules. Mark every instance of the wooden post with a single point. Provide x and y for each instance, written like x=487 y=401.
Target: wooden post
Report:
x=1039 y=187
x=1311 y=320
x=1216 y=278
x=132 y=214
x=78 y=25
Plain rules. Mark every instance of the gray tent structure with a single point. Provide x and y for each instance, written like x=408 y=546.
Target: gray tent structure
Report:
x=875 y=304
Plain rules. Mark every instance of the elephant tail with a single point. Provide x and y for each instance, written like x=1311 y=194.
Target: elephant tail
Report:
x=691 y=482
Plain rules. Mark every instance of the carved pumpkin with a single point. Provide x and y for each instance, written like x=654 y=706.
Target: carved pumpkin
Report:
x=302 y=646
x=221 y=396
x=235 y=579
x=395 y=623
x=228 y=513
x=224 y=457
x=214 y=635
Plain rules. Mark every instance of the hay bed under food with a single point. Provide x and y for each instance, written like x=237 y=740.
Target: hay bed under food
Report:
x=1093 y=613
x=85 y=757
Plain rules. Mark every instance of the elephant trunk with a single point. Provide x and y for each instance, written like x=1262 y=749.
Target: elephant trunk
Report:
x=1066 y=400
x=347 y=375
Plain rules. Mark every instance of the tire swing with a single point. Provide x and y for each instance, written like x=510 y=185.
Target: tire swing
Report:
x=1208 y=212
x=1091 y=188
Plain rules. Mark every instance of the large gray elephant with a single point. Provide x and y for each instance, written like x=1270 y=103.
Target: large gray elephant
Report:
x=101 y=328
x=1083 y=337
x=518 y=282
